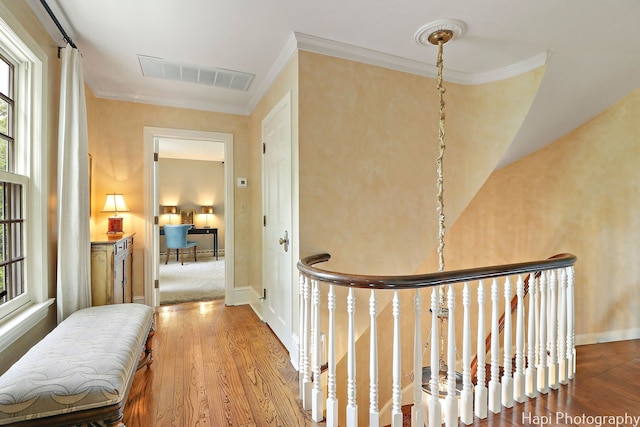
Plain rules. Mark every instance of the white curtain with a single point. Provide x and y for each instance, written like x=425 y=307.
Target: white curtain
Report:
x=74 y=247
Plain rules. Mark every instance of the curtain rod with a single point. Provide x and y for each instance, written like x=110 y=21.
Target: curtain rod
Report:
x=55 y=21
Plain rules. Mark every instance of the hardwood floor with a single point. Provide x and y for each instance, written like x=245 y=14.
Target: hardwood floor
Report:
x=215 y=366
x=221 y=366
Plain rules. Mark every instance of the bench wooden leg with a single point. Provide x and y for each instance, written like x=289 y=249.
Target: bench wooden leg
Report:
x=147 y=354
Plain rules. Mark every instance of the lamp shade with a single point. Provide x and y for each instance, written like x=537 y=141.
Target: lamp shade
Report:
x=206 y=209
x=115 y=203
x=170 y=210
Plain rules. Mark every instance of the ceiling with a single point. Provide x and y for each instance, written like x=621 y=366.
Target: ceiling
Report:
x=591 y=48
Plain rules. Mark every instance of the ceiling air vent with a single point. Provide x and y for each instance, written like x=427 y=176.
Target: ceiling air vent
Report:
x=218 y=77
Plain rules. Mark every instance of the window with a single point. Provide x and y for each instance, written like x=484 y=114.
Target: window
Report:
x=11 y=211
x=23 y=181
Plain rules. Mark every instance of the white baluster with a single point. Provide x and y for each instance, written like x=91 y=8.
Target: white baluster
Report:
x=571 y=344
x=481 y=388
x=563 y=373
x=301 y=279
x=305 y=389
x=417 y=411
x=332 y=400
x=536 y=302
x=494 y=383
x=518 y=376
x=451 y=405
x=435 y=410
x=531 y=373
x=352 y=406
x=374 y=412
x=553 y=336
x=466 y=396
x=396 y=406
x=543 y=369
x=507 y=380
x=317 y=406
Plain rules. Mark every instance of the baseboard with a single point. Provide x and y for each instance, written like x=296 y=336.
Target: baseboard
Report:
x=608 y=336
x=138 y=299
x=244 y=295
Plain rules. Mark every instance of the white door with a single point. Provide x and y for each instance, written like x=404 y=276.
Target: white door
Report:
x=277 y=194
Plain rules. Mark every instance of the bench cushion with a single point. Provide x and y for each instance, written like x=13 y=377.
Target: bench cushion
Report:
x=86 y=362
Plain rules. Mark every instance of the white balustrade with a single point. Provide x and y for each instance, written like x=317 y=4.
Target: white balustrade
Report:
x=543 y=369
x=494 y=383
x=507 y=380
x=352 y=405
x=553 y=329
x=305 y=368
x=374 y=412
x=481 y=388
x=435 y=410
x=417 y=411
x=332 y=399
x=571 y=349
x=451 y=401
x=396 y=396
x=317 y=401
x=466 y=396
x=532 y=344
x=563 y=372
x=518 y=376
x=544 y=350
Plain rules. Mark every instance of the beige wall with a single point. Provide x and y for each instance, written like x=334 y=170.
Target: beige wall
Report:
x=116 y=143
x=190 y=184
x=580 y=194
x=22 y=13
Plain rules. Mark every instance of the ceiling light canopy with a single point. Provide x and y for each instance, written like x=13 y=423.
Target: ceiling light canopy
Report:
x=217 y=77
x=425 y=34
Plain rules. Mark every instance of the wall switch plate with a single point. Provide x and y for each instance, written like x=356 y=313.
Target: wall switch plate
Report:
x=242 y=182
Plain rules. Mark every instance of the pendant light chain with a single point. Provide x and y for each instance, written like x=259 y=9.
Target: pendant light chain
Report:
x=439 y=161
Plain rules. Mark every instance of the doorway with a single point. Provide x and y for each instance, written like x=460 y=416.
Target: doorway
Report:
x=152 y=138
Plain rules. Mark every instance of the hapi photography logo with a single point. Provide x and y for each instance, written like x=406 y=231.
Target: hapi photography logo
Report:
x=565 y=419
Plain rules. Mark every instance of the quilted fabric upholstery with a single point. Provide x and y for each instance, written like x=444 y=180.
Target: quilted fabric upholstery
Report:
x=85 y=362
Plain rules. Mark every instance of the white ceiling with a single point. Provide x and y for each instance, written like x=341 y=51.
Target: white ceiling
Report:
x=591 y=47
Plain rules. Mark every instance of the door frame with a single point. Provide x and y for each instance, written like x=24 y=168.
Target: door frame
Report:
x=151 y=208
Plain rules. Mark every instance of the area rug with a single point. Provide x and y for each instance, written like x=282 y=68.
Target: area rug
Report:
x=194 y=281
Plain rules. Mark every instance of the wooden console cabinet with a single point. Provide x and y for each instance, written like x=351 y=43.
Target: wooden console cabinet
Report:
x=112 y=270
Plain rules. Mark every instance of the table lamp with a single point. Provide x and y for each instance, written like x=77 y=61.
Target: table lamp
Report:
x=206 y=210
x=115 y=203
x=170 y=210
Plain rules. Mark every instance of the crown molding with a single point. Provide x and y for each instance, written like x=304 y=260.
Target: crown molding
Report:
x=286 y=53
x=191 y=105
x=345 y=51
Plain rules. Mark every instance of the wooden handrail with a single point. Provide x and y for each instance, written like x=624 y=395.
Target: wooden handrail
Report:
x=307 y=266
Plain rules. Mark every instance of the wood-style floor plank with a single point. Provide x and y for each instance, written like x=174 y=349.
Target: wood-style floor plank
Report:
x=221 y=366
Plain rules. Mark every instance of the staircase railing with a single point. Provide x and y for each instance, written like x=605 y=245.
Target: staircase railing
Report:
x=544 y=358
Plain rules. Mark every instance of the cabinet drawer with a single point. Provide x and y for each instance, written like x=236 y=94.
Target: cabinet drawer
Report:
x=120 y=246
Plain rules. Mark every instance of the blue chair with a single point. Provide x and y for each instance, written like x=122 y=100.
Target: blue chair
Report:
x=176 y=238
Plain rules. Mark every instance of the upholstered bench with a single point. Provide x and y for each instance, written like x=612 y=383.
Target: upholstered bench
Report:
x=81 y=372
